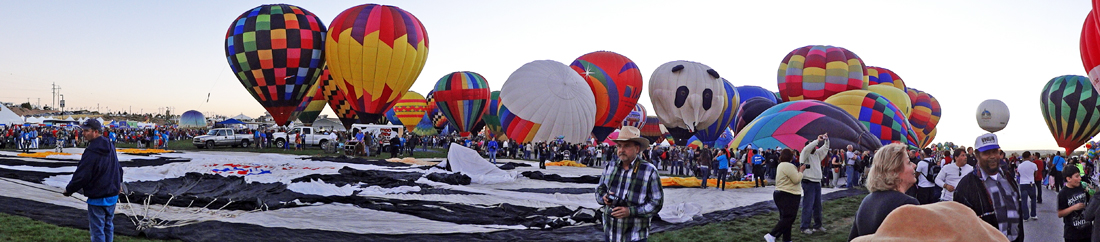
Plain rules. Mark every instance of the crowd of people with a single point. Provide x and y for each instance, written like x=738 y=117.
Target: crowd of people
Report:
x=37 y=137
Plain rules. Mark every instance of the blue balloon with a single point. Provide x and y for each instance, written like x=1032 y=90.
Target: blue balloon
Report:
x=749 y=92
x=711 y=133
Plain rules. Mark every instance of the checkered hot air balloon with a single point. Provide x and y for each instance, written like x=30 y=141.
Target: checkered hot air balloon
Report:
x=881 y=117
x=375 y=54
x=314 y=101
x=925 y=115
x=277 y=52
x=819 y=71
x=882 y=76
x=636 y=118
x=463 y=97
x=896 y=96
x=616 y=83
x=1069 y=105
x=791 y=124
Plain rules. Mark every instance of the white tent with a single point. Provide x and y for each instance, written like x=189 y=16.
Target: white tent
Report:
x=9 y=117
x=241 y=117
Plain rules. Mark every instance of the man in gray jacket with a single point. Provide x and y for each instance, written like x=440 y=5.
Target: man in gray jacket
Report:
x=812 y=155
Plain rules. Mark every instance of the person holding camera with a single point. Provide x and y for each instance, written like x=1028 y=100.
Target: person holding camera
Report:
x=811 y=183
x=629 y=190
x=788 y=190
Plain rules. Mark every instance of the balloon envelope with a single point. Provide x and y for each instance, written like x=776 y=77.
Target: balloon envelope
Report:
x=882 y=76
x=276 y=52
x=881 y=117
x=791 y=124
x=312 y=104
x=749 y=110
x=636 y=118
x=462 y=97
x=722 y=141
x=409 y=110
x=711 y=133
x=925 y=115
x=1069 y=105
x=375 y=54
x=192 y=119
x=819 y=71
x=1090 y=46
x=896 y=96
x=687 y=96
x=545 y=99
x=992 y=115
x=651 y=130
x=616 y=83
x=492 y=117
x=749 y=92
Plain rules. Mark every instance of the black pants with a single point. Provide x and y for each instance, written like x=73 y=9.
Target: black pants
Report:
x=1059 y=181
x=788 y=208
x=758 y=175
x=924 y=195
x=721 y=179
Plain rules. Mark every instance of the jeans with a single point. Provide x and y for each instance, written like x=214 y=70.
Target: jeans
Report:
x=493 y=156
x=526 y=155
x=101 y=222
x=1027 y=191
x=811 y=204
x=721 y=179
x=705 y=172
x=853 y=177
x=788 y=207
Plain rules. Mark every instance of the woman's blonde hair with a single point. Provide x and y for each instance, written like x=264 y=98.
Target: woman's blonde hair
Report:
x=889 y=162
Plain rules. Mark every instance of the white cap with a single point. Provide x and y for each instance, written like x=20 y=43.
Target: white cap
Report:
x=986 y=142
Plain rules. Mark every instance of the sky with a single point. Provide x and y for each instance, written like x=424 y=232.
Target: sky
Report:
x=146 y=56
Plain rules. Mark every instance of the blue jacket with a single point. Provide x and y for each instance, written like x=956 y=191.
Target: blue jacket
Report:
x=492 y=146
x=723 y=162
x=99 y=174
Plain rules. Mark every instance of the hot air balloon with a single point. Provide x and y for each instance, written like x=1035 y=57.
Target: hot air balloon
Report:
x=709 y=134
x=651 y=130
x=882 y=76
x=376 y=52
x=636 y=118
x=881 y=117
x=192 y=119
x=276 y=52
x=791 y=124
x=722 y=141
x=408 y=110
x=749 y=110
x=492 y=117
x=819 y=71
x=1069 y=105
x=896 y=96
x=437 y=117
x=545 y=99
x=463 y=97
x=337 y=100
x=749 y=92
x=425 y=126
x=1090 y=46
x=616 y=83
x=925 y=115
x=313 y=102
x=686 y=97
x=992 y=115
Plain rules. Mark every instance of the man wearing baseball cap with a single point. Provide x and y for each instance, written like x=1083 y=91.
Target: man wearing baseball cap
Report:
x=629 y=190
x=978 y=189
x=98 y=177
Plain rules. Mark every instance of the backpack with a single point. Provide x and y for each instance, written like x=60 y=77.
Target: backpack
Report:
x=933 y=170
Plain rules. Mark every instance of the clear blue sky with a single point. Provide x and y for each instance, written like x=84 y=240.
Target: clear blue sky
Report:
x=154 y=54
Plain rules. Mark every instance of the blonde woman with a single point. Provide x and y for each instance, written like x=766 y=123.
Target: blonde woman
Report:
x=890 y=176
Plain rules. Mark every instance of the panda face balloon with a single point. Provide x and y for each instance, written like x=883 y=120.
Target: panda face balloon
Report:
x=686 y=97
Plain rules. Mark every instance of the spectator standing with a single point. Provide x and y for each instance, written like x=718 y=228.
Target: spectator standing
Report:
x=811 y=183
x=977 y=190
x=1027 y=169
x=787 y=192
x=887 y=180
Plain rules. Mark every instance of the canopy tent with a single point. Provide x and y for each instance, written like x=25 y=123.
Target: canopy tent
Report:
x=9 y=117
x=231 y=121
x=241 y=117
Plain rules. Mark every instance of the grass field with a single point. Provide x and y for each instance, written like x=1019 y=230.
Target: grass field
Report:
x=17 y=228
x=837 y=216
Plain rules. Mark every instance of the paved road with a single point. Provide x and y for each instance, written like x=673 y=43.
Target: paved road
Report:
x=1049 y=225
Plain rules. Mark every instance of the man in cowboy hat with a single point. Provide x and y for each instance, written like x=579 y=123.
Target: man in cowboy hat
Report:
x=629 y=190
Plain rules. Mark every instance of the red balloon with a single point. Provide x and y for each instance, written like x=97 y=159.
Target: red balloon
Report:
x=617 y=84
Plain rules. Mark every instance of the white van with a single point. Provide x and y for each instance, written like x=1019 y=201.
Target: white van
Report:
x=387 y=130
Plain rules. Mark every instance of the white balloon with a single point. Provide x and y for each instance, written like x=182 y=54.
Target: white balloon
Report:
x=687 y=95
x=992 y=115
x=551 y=94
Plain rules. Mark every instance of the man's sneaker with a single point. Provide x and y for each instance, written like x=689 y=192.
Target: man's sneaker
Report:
x=808 y=231
x=1035 y=218
x=822 y=229
x=769 y=238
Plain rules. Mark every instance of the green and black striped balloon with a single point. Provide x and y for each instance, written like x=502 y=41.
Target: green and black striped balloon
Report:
x=1070 y=109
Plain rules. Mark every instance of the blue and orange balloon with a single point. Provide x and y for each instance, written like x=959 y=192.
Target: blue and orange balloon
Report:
x=617 y=84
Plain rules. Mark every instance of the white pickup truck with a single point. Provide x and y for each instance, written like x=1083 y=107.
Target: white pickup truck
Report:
x=222 y=136
x=310 y=137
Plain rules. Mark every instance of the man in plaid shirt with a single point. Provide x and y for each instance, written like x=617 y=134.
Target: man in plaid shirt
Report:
x=629 y=190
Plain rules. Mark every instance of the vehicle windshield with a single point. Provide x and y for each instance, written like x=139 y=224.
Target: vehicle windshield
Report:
x=212 y=132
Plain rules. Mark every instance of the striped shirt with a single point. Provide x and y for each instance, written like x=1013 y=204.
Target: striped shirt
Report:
x=639 y=189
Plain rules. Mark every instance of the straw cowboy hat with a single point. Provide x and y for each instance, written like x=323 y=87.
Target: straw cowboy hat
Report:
x=631 y=133
x=950 y=221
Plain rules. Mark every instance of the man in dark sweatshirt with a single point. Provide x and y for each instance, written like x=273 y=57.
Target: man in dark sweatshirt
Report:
x=98 y=177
